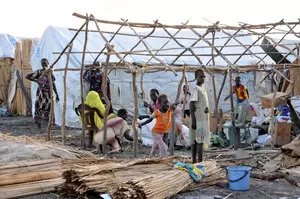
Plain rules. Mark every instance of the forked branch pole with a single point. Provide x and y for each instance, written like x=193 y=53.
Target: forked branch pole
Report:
x=107 y=101
x=63 y=126
x=135 y=115
x=82 y=86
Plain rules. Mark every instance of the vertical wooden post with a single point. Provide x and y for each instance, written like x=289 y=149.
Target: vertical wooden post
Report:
x=63 y=126
x=236 y=141
x=135 y=115
x=49 y=74
x=172 y=131
x=107 y=102
x=81 y=86
x=214 y=81
x=272 y=116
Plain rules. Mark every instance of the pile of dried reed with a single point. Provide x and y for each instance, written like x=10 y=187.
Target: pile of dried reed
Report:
x=167 y=183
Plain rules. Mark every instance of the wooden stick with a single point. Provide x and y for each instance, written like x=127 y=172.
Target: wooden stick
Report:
x=222 y=86
x=279 y=41
x=109 y=42
x=172 y=132
x=214 y=82
x=261 y=36
x=217 y=50
x=146 y=46
x=144 y=37
x=63 y=126
x=107 y=101
x=148 y=25
x=135 y=116
x=272 y=116
x=109 y=46
x=236 y=141
x=81 y=85
x=164 y=45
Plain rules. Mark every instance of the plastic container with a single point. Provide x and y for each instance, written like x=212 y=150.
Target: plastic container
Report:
x=239 y=178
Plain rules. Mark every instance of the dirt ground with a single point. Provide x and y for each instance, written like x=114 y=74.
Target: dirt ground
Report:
x=18 y=126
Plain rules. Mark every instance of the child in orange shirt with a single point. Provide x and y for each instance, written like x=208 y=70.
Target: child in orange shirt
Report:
x=162 y=125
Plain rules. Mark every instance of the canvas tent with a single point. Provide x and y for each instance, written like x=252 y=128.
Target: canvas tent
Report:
x=55 y=39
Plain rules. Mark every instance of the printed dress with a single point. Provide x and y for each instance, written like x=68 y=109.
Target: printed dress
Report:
x=202 y=132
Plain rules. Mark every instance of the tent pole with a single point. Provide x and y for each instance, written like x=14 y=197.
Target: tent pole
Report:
x=172 y=132
x=214 y=81
x=107 y=101
x=63 y=126
x=232 y=111
x=81 y=85
x=135 y=115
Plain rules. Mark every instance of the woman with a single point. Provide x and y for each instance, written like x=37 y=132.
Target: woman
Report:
x=117 y=129
x=43 y=94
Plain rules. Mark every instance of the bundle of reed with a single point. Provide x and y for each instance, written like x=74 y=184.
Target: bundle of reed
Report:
x=167 y=183
x=29 y=188
x=41 y=141
x=26 y=178
x=107 y=178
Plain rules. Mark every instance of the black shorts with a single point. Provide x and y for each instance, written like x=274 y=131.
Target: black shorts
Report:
x=186 y=113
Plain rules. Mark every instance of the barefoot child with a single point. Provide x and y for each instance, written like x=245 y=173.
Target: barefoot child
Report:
x=199 y=131
x=162 y=125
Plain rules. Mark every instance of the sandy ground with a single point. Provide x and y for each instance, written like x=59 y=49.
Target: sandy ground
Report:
x=258 y=189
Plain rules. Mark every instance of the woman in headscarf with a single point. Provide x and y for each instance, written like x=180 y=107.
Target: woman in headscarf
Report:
x=43 y=94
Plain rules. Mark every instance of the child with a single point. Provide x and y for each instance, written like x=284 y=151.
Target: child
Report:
x=162 y=125
x=199 y=131
x=185 y=100
x=242 y=103
x=153 y=105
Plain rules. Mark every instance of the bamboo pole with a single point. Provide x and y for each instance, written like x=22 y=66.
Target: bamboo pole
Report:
x=172 y=132
x=232 y=111
x=146 y=46
x=81 y=85
x=135 y=115
x=107 y=101
x=63 y=126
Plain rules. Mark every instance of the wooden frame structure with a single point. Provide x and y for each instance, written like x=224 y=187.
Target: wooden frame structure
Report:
x=155 y=63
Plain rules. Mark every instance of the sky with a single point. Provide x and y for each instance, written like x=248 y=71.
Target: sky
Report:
x=30 y=18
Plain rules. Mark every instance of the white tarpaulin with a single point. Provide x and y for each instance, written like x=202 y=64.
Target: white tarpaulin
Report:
x=55 y=39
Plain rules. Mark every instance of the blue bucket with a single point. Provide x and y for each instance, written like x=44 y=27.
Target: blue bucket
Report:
x=239 y=178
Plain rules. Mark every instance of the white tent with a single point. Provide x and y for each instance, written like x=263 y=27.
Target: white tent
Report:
x=55 y=39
